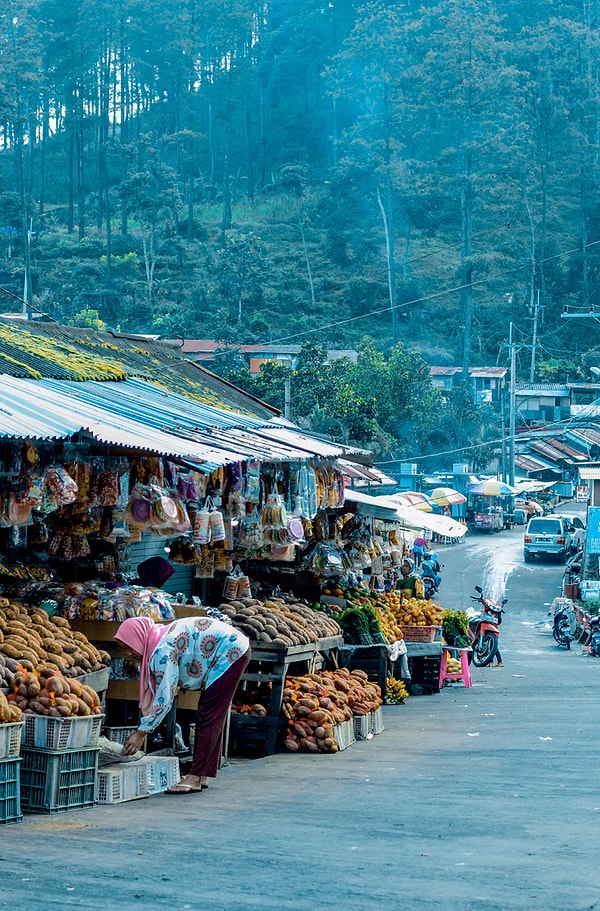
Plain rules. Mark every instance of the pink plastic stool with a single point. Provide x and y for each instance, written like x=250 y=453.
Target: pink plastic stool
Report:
x=464 y=674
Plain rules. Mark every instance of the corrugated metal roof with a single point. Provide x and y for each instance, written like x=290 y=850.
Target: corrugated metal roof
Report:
x=528 y=463
x=547 y=389
x=53 y=351
x=575 y=454
x=30 y=409
x=589 y=473
x=138 y=415
x=550 y=453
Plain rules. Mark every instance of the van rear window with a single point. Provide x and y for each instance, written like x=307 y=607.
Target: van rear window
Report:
x=544 y=527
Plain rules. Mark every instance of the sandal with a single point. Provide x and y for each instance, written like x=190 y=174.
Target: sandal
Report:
x=184 y=787
x=180 y=788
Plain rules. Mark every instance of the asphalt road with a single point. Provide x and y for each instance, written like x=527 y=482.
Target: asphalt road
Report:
x=481 y=798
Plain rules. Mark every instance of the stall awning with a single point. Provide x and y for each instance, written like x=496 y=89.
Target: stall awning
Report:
x=139 y=415
x=407 y=516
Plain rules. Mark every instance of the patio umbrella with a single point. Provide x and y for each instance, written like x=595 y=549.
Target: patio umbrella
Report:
x=446 y=496
x=492 y=487
x=413 y=498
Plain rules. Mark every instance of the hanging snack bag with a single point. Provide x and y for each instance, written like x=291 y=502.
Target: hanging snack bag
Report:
x=251 y=532
x=61 y=485
x=217 y=525
x=202 y=526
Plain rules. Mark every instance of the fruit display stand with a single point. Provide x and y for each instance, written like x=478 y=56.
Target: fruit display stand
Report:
x=270 y=664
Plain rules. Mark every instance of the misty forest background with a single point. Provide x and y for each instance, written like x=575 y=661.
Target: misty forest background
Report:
x=397 y=178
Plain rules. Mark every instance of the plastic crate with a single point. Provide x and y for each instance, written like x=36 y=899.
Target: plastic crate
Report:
x=142 y=778
x=425 y=672
x=120 y=734
x=344 y=734
x=163 y=771
x=10 y=791
x=120 y=782
x=377 y=725
x=10 y=740
x=253 y=735
x=421 y=633
x=362 y=726
x=53 y=782
x=46 y=733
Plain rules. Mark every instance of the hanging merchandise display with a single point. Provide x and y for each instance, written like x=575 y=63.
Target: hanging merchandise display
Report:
x=251 y=482
x=306 y=491
x=237 y=585
x=250 y=531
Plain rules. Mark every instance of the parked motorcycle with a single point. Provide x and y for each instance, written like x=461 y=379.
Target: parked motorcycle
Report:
x=484 y=627
x=429 y=587
x=564 y=623
x=594 y=633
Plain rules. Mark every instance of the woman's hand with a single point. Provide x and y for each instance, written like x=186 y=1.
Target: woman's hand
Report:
x=133 y=743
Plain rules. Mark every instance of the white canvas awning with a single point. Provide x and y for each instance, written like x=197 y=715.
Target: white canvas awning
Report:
x=407 y=516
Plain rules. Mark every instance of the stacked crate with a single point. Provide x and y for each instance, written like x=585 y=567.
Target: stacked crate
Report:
x=59 y=769
x=10 y=778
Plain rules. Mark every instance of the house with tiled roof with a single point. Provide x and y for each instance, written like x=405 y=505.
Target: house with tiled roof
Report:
x=486 y=383
x=207 y=352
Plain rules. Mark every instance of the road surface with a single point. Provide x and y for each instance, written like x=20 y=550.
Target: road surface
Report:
x=481 y=799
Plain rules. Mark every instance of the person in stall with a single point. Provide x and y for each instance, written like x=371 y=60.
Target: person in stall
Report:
x=410 y=583
x=194 y=653
x=153 y=572
x=419 y=545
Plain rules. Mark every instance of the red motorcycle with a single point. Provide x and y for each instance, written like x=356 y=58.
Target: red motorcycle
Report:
x=484 y=628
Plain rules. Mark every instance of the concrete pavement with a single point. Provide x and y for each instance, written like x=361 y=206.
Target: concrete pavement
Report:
x=471 y=799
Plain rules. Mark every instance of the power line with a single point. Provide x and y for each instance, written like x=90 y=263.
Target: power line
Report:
x=416 y=301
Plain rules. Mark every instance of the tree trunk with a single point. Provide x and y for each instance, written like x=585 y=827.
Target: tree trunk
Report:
x=388 y=228
x=306 y=259
x=467 y=275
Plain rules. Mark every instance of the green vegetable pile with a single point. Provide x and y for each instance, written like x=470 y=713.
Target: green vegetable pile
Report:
x=455 y=628
x=360 y=626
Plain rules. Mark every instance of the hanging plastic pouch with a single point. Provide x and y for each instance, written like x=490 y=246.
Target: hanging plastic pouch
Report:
x=230 y=589
x=243 y=589
x=217 y=526
x=202 y=526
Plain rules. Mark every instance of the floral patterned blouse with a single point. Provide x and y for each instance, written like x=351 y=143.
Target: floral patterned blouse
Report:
x=194 y=653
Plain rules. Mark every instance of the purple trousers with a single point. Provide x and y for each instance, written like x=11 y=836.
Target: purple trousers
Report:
x=211 y=716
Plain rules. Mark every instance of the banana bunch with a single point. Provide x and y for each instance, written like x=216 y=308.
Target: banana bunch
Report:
x=395 y=691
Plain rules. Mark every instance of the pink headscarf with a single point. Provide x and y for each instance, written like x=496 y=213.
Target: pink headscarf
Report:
x=142 y=635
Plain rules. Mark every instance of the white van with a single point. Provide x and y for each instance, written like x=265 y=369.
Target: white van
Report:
x=547 y=536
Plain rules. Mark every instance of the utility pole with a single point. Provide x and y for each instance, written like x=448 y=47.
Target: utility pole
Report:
x=287 y=402
x=511 y=420
x=536 y=312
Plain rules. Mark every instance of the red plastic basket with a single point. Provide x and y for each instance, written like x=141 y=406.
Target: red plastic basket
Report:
x=421 y=633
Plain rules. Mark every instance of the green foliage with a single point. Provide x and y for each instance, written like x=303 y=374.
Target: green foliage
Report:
x=89 y=319
x=243 y=160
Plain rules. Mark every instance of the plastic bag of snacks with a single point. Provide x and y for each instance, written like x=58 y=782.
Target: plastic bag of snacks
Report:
x=251 y=533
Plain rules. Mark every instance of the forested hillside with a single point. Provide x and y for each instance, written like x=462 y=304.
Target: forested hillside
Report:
x=305 y=170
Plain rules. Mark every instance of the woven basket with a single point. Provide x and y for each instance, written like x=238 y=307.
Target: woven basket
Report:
x=421 y=633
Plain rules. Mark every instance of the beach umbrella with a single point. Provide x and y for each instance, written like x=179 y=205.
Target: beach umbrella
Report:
x=446 y=496
x=492 y=487
x=413 y=498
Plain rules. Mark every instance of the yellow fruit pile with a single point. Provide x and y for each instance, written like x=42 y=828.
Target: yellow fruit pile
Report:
x=395 y=691
x=453 y=665
x=399 y=613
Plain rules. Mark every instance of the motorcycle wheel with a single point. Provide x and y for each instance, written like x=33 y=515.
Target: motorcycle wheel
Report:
x=485 y=652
